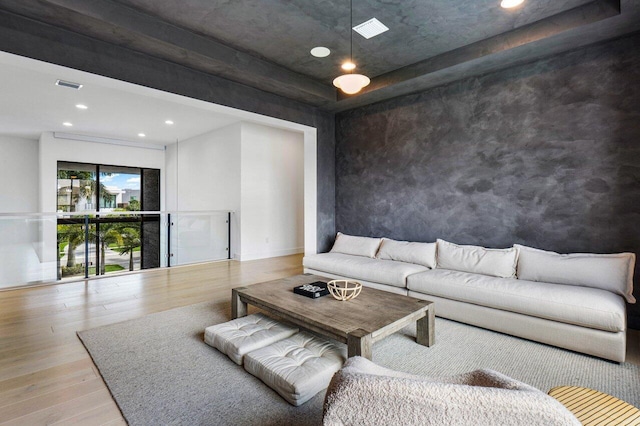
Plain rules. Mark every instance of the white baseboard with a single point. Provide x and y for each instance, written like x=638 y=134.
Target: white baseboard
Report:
x=272 y=253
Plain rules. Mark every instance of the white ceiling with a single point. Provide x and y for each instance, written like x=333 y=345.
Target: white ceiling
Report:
x=31 y=103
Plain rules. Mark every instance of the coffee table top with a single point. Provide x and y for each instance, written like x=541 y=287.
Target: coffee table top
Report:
x=372 y=311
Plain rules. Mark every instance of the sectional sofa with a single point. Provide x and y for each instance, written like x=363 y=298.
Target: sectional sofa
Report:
x=573 y=301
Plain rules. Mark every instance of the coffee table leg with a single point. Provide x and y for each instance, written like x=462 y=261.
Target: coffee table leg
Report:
x=238 y=307
x=426 y=330
x=359 y=344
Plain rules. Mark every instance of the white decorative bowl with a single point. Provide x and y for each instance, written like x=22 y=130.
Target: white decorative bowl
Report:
x=344 y=289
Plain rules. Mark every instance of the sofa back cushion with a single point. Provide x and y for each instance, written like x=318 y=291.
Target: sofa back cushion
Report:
x=479 y=260
x=357 y=246
x=612 y=272
x=408 y=252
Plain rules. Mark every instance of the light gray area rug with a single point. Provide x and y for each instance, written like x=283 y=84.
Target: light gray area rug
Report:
x=161 y=372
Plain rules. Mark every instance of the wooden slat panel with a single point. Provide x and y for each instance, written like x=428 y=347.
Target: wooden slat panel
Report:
x=595 y=408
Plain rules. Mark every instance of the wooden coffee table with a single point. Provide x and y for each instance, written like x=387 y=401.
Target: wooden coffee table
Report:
x=372 y=316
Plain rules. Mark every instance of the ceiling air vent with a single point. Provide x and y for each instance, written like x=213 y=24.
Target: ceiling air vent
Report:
x=69 y=84
x=371 y=28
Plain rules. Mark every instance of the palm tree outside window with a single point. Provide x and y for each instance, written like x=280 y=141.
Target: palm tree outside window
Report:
x=114 y=240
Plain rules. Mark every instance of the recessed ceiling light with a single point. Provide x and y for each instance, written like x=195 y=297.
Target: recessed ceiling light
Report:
x=81 y=106
x=508 y=4
x=348 y=66
x=169 y=122
x=371 y=28
x=142 y=135
x=66 y=123
x=320 y=52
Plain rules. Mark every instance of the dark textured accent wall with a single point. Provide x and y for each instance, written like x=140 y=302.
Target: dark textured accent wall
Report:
x=545 y=154
x=44 y=42
x=150 y=254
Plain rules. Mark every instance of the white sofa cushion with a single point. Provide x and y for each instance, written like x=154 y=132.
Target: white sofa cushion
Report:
x=583 y=306
x=362 y=268
x=357 y=246
x=479 y=260
x=612 y=272
x=408 y=252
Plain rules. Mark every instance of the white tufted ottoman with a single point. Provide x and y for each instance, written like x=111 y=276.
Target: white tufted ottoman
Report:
x=298 y=367
x=240 y=336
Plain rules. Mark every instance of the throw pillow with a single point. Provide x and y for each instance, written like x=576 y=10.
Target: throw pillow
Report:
x=409 y=252
x=478 y=260
x=357 y=246
x=612 y=272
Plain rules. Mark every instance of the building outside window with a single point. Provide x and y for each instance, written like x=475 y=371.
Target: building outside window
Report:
x=115 y=241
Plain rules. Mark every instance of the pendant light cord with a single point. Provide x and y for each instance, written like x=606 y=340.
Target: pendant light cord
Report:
x=351 y=34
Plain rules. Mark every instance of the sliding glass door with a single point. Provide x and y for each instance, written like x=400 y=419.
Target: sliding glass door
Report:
x=109 y=196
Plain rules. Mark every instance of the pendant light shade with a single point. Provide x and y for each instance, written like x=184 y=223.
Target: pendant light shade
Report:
x=351 y=83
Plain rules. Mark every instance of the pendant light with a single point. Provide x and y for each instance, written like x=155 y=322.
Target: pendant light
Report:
x=351 y=83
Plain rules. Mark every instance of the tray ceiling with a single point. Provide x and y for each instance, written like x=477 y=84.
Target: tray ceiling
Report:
x=284 y=31
x=266 y=44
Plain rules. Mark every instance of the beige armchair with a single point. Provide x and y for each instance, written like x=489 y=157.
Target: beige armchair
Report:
x=363 y=393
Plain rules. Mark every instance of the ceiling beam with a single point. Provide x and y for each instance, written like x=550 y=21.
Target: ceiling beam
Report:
x=113 y=22
x=476 y=58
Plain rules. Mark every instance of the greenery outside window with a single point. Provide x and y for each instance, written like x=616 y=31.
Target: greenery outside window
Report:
x=114 y=241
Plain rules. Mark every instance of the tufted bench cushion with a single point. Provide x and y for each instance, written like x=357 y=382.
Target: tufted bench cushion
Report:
x=298 y=367
x=240 y=336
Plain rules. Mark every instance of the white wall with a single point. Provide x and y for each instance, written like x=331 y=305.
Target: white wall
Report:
x=254 y=170
x=272 y=192
x=18 y=174
x=209 y=171
x=203 y=174
x=170 y=177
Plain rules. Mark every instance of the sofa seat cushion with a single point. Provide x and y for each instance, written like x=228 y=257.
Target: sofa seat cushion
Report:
x=298 y=367
x=583 y=306
x=363 y=268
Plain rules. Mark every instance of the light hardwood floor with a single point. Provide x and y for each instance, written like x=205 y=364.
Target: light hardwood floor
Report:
x=47 y=377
